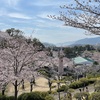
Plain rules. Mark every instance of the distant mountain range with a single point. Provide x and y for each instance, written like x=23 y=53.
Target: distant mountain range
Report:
x=65 y=44
x=86 y=41
x=90 y=41
x=48 y=44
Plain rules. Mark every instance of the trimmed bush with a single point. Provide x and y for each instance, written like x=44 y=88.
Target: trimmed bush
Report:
x=95 y=96
x=62 y=88
x=49 y=98
x=34 y=96
x=10 y=98
x=54 y=86
x=82 y=82
x=30 y=96
x=92 y=80
x=43 y=94
x=97 y=88
x=79 y=96
x=21 y=96
x=93 y=75
x=3 y=97
x=76 y=84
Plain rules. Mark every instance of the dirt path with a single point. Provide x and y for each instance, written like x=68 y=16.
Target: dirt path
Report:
x=41 y=85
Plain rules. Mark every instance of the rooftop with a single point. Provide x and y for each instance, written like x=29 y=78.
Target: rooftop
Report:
x=81 y=60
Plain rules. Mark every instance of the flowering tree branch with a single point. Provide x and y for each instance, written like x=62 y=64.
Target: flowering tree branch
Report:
x=83 y=14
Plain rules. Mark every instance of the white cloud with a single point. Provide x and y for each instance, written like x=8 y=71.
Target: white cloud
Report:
x=3 y=11
x=43 y=15
x=18 y=15
x=11 y=2
x=48 y=3
x=50 y=24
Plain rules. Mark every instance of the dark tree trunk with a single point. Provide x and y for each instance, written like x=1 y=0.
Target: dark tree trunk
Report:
x=4 y=88
x=16 y=91
x=59 y=95
x=50 y=84
x=3 y=91
x=31 y=87
x=32 y=82
x=58 y=91
x=23 y=87
x=50 y=89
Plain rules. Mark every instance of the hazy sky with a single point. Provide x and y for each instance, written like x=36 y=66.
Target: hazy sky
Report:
x=31 y=17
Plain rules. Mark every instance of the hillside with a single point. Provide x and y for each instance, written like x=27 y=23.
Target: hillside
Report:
x=90 y=41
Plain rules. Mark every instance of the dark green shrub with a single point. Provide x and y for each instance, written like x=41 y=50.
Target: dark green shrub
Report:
x=96 y=63
x=54 y=86
x=49 y=97
x=92 y=80
x=79 y=96
x=10 y=98
x=3 y=97
x=76 y=84
x=93 y=75
x=43 y=94
x=62 y=88
x=25 y=96
x=82 y=82
x=21 y=96
x=33 y=96
x=97 y=88
x=95 y=96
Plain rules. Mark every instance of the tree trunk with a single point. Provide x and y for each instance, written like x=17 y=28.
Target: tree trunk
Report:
x=3 y=89
x=23 y=87
x=58 y=95
x=16 y=91
x=50 y=89
x=3 y=92
x=31 y=87
x=50 y=84
x=58 y=91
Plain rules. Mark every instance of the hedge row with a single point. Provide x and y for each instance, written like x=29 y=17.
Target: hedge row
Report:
x=87 y=96
x=95 y=96
x=82 y=82
x=79 y=96
x=6 y=98
x=63 y=88
x=30 y=96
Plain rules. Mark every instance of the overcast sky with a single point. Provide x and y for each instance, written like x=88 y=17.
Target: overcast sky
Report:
x=31 y=17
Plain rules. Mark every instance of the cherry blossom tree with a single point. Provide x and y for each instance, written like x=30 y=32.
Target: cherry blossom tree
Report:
x=17 y=62
x=14 y=32
x=83 y=14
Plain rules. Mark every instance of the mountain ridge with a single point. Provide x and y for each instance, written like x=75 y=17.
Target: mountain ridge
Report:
x=85 y=41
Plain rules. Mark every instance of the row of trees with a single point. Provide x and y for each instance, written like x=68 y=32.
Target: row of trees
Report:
x=22 y=58
x=71 y=52
x=19 y=59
